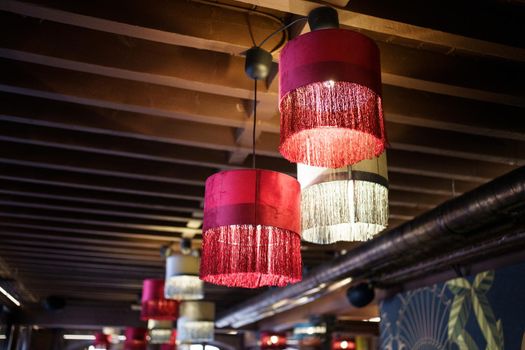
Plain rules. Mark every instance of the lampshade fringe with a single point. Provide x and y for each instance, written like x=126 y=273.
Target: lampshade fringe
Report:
x=331 y=124
x=251 y=256
x=349 y=210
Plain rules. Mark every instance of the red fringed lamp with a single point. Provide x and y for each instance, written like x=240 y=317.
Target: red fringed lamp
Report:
x=330 y=95
x=154 y=305
x=343 y=343
x=273 y=340
x=101 y=341
x=135 y=338
x=251 y=229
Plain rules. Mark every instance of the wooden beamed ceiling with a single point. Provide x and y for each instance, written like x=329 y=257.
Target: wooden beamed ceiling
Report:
x=113 y=114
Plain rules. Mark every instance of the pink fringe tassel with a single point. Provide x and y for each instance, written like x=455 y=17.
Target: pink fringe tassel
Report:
x=331 y=124
x=251 y=256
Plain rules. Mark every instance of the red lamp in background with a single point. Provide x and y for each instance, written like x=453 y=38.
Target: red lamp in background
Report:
x=154 y=305
x=101 y=341
x=330 y=95
x=273 y=340
x=343 y=343
x=135 y=338
x=251 y=229
x=172 y=345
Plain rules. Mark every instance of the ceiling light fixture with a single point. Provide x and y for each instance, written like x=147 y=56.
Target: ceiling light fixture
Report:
x=251 y=229
x=330 y=95
x=182 y=275
x=154 y=305
x=344 y=204
x=196 y=323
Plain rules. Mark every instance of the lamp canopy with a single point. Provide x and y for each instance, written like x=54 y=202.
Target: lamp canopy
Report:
x=251 y=230
x=344 y=204
x=182 y=278
x=154 y=305
x=330 y=99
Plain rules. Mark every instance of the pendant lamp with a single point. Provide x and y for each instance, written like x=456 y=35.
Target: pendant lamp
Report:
x=182 y=278
x=251 y=228
x=344 y=204
x=154 y=305
x=196 y=322
x=330 y=95
x=101 y=341
x=343 y=343
x=251 y=231
x=135 y=338
x=273 y=340
x=159 y=332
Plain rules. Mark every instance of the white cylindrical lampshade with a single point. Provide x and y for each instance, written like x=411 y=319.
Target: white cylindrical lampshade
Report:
x=182 y=278
x=344 y=204
x=159 y=331
x=196 y=322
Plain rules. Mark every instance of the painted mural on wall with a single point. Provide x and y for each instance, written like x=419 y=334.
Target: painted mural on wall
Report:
x=486 y=311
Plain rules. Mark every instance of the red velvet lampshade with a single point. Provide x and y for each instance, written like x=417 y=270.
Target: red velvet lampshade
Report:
x=135 y=338
x=101 y=341
x=273 y=340
x=330 y=99
x=251 y=229
x=154 y=305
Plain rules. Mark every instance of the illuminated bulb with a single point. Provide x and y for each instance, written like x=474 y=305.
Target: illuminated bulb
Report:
x=274 y=339
x=329 y=83
x=344 y=344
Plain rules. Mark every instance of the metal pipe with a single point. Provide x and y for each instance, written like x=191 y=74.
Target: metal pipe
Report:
x=435 y=232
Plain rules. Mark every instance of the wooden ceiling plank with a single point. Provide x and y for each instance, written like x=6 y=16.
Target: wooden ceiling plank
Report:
x=507 y=152
x=396 y=29
x=235 y=43
x=37 y=234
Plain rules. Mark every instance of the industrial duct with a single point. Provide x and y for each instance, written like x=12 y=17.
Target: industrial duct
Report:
x=451 y=225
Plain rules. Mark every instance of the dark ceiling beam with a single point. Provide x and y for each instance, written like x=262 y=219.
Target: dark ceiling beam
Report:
x=74 y=254
x=203 y=65
x=432 y=111
x=132 y=59
x=401 y=136
x=399 y=32
x=195 y=29
x=42 y=244
x=38 y=233
x=74 y=266
x=398 y=208
x=181 y=23
x=415 y=163
x=109 y=262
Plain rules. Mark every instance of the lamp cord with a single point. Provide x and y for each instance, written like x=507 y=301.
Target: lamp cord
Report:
x=281 y=29
x=254 y=121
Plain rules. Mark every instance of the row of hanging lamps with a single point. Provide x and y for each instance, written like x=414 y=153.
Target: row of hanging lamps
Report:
x=344 y=204
x=251 y=229
x=101 y=342
x=135 y=338
x=182 y=275
x=273 y=340
x=154 y=305
x=196 y=322
x=330 y=95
